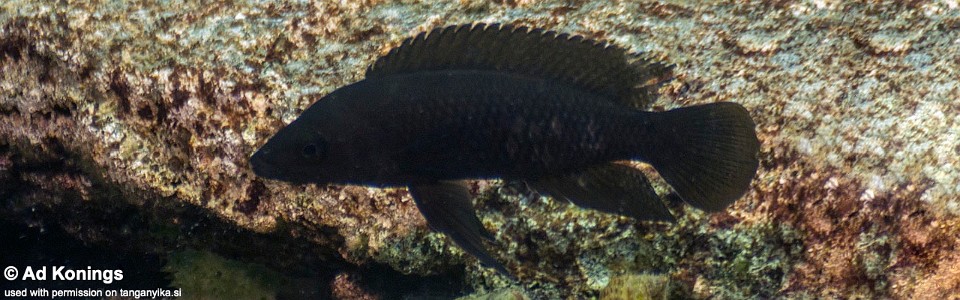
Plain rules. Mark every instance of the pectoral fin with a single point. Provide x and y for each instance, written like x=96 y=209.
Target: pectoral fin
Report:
x=446 y=206
x=610 y=188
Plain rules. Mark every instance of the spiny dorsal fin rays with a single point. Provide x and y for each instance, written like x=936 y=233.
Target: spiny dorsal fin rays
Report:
x=651 y=75
x=599 y=67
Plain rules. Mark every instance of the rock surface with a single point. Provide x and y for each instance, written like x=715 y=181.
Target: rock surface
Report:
x=143 y=109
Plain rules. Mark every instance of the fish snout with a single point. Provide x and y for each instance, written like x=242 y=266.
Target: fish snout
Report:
x=262 y=166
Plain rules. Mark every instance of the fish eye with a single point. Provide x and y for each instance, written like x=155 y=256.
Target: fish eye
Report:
x=314 y=150
x=310 y=150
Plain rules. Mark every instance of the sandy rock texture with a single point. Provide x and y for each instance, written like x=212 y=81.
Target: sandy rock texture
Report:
x=155 y=107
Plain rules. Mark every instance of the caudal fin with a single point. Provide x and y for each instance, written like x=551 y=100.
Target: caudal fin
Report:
x=707 y=153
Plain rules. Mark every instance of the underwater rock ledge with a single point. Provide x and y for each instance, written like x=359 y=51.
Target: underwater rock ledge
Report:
x=137 y=116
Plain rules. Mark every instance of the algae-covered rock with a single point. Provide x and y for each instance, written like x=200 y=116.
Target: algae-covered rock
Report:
x=501 y=294
x=130 y=123
x=637 y=287
x=203 y=275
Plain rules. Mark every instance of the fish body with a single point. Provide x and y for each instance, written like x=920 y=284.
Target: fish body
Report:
x=451 y=125
x=490 y=101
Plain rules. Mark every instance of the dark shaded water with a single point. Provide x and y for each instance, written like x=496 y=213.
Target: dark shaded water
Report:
x=50 y=246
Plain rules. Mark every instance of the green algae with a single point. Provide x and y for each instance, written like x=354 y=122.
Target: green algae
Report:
x=876 y=252
x=510 y=293
x=403 y=253
x=751 y=259
x=741 y=261
x=637 y=287
x=204 y=275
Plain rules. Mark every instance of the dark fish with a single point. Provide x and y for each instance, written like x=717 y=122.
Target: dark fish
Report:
x=497 y=101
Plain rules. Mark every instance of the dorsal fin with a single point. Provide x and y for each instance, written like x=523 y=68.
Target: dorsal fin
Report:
x=599 y=67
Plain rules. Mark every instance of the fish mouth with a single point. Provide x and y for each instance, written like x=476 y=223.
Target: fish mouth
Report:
x=263 y=167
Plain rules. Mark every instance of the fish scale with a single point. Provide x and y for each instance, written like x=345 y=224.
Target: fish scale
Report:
x=487 y=111
x=483 y=101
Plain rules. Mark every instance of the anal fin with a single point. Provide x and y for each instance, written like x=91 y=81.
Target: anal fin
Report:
x=610 y=188
x=446 y=206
